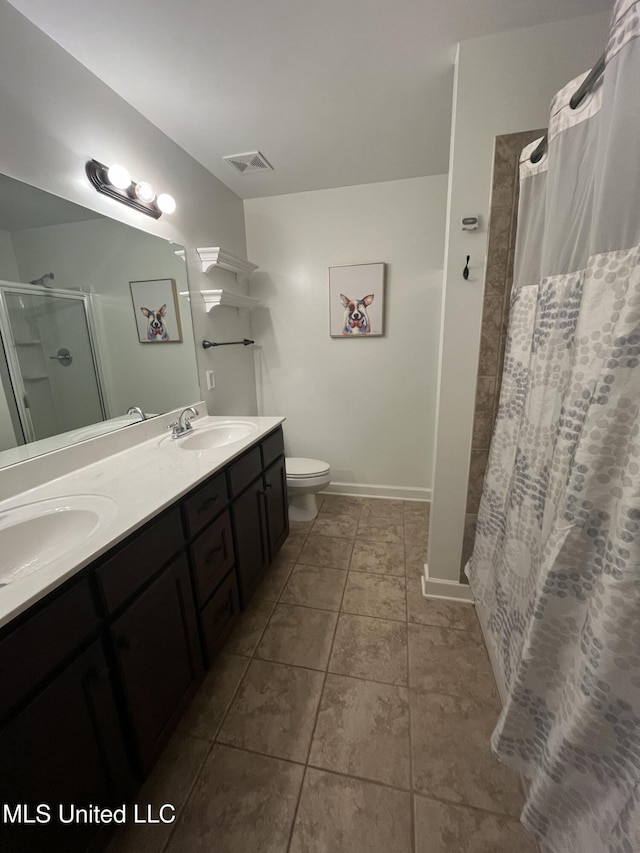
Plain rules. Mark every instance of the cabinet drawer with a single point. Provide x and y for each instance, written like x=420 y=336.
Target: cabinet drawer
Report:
x=272 y=447
x=219 y=615
x=205 y=504
x=140 y=558
x=31 y=651
x=212 y=554
x=244 y=471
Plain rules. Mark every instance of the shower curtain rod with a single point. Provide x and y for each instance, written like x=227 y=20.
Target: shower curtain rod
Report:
x=576 y=99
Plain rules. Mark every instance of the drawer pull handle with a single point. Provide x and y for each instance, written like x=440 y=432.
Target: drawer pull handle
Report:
x=208 y=504
x=212 y=554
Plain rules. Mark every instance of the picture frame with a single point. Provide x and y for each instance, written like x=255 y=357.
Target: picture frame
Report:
x=156 y=311
x=356 y=300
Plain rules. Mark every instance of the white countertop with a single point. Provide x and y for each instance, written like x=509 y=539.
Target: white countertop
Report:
x=141 y=480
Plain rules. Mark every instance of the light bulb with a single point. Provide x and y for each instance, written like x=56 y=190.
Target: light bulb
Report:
x=119 y=177
x=145 y=192
x=166 y=203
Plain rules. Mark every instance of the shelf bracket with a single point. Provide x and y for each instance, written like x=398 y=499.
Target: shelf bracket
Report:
x=217 y=257
x=214 y=298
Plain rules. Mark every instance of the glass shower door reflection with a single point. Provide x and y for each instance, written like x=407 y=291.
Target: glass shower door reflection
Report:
x=57 y=387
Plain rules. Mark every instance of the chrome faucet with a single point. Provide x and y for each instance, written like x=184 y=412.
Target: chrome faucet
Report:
x=136 y=410
x=183 y=424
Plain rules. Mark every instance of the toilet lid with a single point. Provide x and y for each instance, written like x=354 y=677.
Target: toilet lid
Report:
x=298 y=467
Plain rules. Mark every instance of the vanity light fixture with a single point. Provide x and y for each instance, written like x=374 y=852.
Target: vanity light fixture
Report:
x=115 y=181
x=145 y=192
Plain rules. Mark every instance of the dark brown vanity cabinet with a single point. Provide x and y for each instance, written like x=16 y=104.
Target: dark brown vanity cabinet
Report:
x=158 y=659
x=95 y=677
x=258 y=486
x=275 y=484
x=145 y=589
x=62 y=741
x=213 y=556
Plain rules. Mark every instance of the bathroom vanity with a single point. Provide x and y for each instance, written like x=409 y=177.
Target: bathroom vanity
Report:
x=96 y=674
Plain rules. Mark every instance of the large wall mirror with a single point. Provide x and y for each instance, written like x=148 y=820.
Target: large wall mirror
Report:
x=81 y=345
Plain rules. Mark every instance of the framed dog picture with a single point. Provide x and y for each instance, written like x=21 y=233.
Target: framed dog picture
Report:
x=155 y=307
x=356 y=301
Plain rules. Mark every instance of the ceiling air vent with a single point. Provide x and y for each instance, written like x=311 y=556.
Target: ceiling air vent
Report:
x=253 y=161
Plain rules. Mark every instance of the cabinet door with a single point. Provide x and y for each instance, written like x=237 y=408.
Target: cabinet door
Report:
x=252 y=552
x=66 y=747
x=157 y=650
x=275 y=484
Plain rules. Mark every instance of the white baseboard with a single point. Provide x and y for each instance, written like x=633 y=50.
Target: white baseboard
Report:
x=447 y=590
x=367 y=490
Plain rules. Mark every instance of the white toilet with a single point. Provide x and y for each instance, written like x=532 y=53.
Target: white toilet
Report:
x=305 y=478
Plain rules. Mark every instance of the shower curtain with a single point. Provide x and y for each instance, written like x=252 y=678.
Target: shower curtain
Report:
x=556 y=564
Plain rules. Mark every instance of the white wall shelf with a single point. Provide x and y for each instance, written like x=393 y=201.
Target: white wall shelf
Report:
x=217 y=257
x=214 y=298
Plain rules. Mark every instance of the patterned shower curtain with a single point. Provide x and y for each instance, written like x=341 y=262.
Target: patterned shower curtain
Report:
x=556 y=564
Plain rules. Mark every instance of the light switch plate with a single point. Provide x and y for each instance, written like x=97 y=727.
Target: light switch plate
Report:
x=211 y=380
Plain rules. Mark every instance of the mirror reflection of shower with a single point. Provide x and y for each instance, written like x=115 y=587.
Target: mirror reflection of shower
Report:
x=47 y=390
x=44 y=280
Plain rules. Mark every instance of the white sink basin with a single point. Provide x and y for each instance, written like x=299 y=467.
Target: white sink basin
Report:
x=216 y=435
x=34 y=535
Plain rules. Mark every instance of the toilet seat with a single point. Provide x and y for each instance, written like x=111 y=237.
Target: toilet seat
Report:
x=298 y=467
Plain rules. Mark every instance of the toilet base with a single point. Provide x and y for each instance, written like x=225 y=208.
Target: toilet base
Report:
x=302 y=507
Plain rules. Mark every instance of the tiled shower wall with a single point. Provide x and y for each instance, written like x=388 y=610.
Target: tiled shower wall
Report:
x=497 y=291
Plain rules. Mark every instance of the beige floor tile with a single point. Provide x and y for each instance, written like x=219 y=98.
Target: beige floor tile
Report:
x=339 y=815
x=342 y=505
x=382 y=508
x=300 y=526
x=290 y=551
x=443 y=828
x=299 y=636
x=383 y=596
x=328 y=551
x=414 y=510
x=206 y=712
x=380 y=530
x=242 y=802
x=451 y=662
x=314 y=586
x=170 y=782
x=274 y=710
x=385 y=558
x=452 y=758
x=444 y=614
x=416 y=532
x=370 y=648
x=273 y=581
x=363 y=730
x=415 y=557
x=247 y=633
x=332 y=524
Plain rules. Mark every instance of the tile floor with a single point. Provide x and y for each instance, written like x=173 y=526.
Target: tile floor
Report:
x=346 y=714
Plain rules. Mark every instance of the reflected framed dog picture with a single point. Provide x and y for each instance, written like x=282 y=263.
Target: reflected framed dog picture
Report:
x=155 y=307
x=356 y=301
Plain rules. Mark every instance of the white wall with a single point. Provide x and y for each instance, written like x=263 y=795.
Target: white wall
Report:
x=504 y=84
x=101 y=257
x=366 y=406
x=56 y=115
